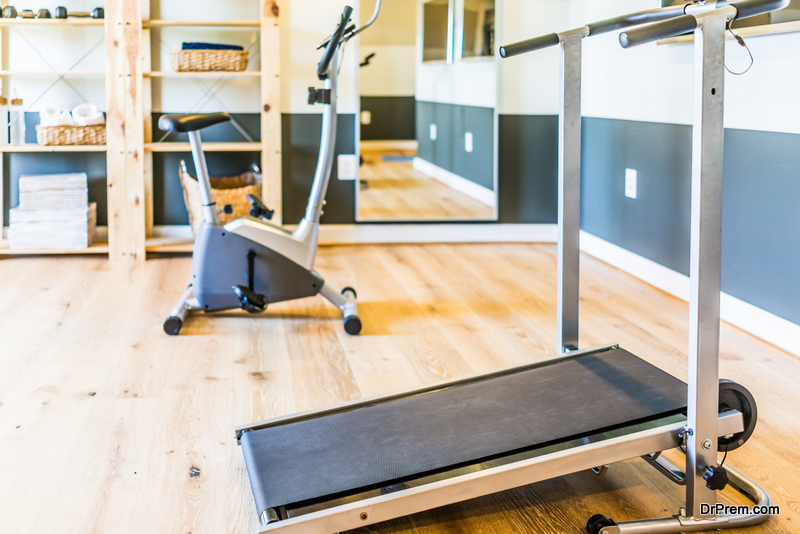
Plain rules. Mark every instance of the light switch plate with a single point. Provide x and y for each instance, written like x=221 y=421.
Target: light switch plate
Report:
x=347 y=167
x=468 y=141
x=631 y=177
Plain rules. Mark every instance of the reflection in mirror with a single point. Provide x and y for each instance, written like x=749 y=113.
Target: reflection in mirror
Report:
x=478 y=36
x=426 y=155
x=436 y=22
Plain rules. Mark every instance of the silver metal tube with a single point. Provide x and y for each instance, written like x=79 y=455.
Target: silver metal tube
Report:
x=345 y=302
x=569 y=191
x=210 y=214
x=327 y=145
x=180 y=308
x=677 y=525
x=705 y=257
x=369 y=22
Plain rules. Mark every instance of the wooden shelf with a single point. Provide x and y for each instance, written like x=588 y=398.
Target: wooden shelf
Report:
x=99 y=247
x=52 y=73
x=199 y=23
x=168 y=244
x=207 y=147
x=61 y=148
x=203 y=74
x=52 y=22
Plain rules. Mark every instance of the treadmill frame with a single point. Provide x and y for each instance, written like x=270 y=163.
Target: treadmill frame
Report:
x=700 y=432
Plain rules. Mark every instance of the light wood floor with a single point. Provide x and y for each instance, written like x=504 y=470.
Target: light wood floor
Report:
x=398 y=192
x=104 y=419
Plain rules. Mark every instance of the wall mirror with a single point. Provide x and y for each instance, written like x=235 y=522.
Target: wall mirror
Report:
x=427 y=128
x=437 y=26
x=478 y=34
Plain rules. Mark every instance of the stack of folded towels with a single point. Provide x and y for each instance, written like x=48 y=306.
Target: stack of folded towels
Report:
x=83 y=115
x=54 y=212
x=210 y=46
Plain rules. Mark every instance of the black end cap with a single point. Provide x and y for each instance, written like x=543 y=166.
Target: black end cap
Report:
x=348 y=288
x=352 y=325
x=173 y=325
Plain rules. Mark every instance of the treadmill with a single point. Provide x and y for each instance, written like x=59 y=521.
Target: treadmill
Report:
x=364 y=462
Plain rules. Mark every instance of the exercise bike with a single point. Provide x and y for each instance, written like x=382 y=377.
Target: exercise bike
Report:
x=251 y=262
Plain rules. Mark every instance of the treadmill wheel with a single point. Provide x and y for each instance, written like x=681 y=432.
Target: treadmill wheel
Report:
x=733 y=396
x=597 y=522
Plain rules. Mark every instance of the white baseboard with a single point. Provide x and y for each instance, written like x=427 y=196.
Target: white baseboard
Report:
x=351 y=234
x=341 y=234
x=454 y=181
x=737 y=312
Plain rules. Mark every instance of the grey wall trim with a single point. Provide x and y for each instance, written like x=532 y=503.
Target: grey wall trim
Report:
x=761 y=192
x=447 y=151
x=393 y=118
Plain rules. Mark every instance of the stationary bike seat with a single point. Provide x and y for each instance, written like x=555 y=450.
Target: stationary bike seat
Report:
x=180 y=122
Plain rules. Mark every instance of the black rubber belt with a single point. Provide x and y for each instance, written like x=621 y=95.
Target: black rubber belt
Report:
x=372 y=445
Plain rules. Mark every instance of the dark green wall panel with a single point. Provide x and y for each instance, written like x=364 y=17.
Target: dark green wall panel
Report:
x=393 y=118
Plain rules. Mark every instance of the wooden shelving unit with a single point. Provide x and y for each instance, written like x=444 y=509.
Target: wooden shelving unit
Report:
x=130 y=147
x=207 y=147
x=29 y=148
x=98 y=247
x=201 y=23
x=268 y=72
x=101 y=247
x=52 y=22
x=212 y=74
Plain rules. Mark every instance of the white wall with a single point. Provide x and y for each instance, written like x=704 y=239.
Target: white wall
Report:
x=529 y=84
x=654 y=82
x=471 y=82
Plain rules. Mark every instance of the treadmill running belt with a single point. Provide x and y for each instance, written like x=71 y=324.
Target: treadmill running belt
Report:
x=382 y=442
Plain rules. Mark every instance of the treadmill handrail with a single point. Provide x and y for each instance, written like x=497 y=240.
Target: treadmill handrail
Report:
x=617 y=23
x=689 y=22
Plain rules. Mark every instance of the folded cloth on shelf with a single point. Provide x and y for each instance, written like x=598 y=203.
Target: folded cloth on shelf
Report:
x=210 y=46
x=54 y=117
x=88 y=115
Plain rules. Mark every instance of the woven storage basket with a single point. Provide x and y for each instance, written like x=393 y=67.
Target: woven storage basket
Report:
x=231 y=190
x=71 y=135
x=207 y=60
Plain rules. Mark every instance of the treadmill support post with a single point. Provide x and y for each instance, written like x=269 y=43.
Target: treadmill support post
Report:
x=706 y=245
x=569 y=189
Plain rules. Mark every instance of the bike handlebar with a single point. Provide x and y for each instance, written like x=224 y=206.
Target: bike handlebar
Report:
x=333 y=43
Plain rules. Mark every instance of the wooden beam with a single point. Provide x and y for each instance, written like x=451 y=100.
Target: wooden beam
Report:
x=271 y=108
x=147 y=119
x=125 y=168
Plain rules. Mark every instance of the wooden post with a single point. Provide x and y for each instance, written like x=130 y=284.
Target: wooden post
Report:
x=147 y=112
x=125 y=135
x=271 y=108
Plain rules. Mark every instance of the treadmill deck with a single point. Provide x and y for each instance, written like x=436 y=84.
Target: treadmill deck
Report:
x=380 y=443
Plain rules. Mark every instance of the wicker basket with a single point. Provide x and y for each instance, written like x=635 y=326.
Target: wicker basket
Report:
x=71 y=135
x=231 y=190
x=208 y=60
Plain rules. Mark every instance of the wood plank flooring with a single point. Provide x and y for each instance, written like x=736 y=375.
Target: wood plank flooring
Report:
x=107 y=425
x=396 y=192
